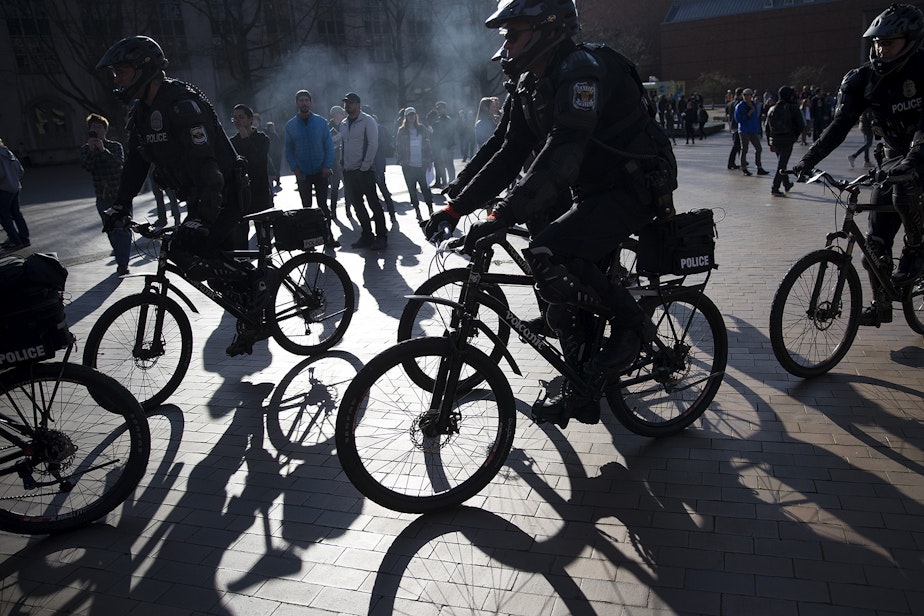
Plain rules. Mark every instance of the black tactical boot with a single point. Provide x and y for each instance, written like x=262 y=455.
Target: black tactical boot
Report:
x=876 y=314
x=567 y=405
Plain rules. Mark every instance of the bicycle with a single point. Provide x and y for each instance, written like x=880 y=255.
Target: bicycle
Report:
x=74 y=443
x=816 y=310
x=422 y=317
x=145 y=340
x=421 y=445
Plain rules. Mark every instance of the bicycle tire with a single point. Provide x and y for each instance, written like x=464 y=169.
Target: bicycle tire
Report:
x=414 y=324
x=313 y=304
x=151 y=375
x=913 y=306
x=97 y=435
x=808 y=345
x=380 y=444
x=658 y=398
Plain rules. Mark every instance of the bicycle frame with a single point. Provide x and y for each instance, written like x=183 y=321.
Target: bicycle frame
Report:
x=851 y=232
x=463 y=323
x=158 y=284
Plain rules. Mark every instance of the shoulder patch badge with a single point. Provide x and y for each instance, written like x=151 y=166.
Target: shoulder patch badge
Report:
x=584 y=96
x=198 y=135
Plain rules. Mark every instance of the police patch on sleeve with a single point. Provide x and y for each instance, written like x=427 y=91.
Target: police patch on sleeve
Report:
x=584 y=96
x=198 y=135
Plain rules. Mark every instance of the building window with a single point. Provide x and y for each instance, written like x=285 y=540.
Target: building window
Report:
x=168 y=30
x=378 y=33
x=279 y=33
x=48 y=121
x=330 y=24
x=102 y=20
x=30 y=36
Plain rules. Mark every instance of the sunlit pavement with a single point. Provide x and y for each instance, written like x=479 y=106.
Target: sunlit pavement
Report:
x=787 y=497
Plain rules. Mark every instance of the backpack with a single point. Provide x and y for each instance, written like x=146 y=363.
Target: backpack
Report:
x=779 y=120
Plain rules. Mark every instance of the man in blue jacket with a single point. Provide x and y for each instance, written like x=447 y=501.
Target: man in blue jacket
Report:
x=747 y=115
x=310 y=154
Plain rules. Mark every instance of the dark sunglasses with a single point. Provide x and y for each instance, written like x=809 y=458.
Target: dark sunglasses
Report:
x=512 y=36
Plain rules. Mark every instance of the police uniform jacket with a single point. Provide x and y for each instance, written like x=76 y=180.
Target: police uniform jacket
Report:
x=181 y=136
x=589 y=124
x=895 y=105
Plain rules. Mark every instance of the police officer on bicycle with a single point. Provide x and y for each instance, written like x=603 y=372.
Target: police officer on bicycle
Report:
x=582 y=112
x=891 y=87
x=173 y=126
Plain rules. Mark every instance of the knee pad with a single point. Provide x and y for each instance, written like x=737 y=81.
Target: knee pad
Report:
x=555 y=283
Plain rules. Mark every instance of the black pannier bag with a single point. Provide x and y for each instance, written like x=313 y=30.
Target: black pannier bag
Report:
x=299 y=229
x=681 y=245
x=32 y=321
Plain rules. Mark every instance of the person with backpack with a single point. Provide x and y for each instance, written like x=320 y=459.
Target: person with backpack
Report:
x=783 y=128
x=583 y=113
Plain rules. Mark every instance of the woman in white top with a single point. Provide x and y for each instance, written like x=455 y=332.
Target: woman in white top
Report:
x=415 y=155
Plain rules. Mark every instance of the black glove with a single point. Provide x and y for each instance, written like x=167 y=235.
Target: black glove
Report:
x=192 y=229
x=492 y=225
x=208 y=207
x=116 y=217
x=446 y=218
x=802 y=169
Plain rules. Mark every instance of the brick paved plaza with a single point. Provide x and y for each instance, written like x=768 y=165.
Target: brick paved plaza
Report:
x=788 y=496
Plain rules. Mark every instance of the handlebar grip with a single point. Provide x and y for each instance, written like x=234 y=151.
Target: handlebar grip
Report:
x=442 y=233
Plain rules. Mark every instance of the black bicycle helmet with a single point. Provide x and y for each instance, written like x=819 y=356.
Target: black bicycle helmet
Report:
x=551 y=20
x=897 y=20
x=141 y=53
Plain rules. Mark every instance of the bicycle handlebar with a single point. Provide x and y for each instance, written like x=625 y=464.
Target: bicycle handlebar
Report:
x=873 y=177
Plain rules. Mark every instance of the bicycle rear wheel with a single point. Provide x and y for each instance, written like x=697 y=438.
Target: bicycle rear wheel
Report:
x=811 y=325
x=666 y=392
x=74 y=443
x=313 y=304
x=913 y=306
x=121 y=344
x=381 y=430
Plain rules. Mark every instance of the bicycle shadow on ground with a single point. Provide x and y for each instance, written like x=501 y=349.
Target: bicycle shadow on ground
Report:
x=910 y=356
x=714 y=520
x=858 y=414
x=300 y=413
x=97 y=296
x=98 y=562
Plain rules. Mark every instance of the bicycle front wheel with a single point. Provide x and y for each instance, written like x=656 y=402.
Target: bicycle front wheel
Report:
x=124 y=344
x=668 y=389
x=815 y=313
x=913 y=306
x=421 y=318
x=74 y=443
x=313 y=304
x=384 y=435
